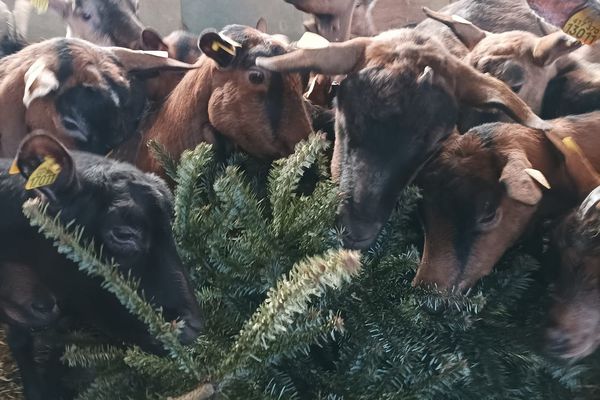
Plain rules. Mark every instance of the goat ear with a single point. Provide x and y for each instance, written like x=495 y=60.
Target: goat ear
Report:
x=521 y=181
x=136 y=61
x=479 y=90
x=334 y=59
x=219 y=47
x=261 y=25
x=551 y=47
x=46 y=165
x=151 y=40
x=464 y=30
x=39 y=82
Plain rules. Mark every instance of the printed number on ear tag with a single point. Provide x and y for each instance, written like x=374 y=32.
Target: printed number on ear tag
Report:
x=44 y=175
x=40 y=5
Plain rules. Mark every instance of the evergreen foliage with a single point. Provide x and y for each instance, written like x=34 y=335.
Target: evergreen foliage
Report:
x=289 y=315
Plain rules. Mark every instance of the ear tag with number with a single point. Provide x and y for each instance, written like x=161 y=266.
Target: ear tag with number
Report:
x=44 y=175
x=41 y=6
x=14 y=169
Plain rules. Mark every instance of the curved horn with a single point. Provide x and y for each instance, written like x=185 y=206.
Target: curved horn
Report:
x=335 y=59
x=143 y=61
x=466 y=32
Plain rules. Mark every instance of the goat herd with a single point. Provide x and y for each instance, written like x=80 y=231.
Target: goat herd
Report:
x=421 y=104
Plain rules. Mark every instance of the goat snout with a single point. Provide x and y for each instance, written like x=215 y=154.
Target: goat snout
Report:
x=192 y=328
x=358 y=233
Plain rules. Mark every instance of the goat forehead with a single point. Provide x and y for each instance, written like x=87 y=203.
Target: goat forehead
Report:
x=507 y=44
x=406 y=45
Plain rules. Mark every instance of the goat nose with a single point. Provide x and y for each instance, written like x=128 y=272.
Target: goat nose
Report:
x=191 y=330
x=557 y=342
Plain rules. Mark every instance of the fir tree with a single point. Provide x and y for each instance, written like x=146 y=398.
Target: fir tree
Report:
x=289 y=315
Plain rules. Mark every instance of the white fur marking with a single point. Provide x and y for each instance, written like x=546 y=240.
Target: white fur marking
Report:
x=115 y=98
x=39 y=81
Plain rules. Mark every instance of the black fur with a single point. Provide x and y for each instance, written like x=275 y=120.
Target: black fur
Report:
x=389 y=128
x=126 y=211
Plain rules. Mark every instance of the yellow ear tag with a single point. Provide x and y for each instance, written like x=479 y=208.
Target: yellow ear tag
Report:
x=14 y=169
x=44 y=175
x=570 y=144
x=41 y=6
x=218 y=45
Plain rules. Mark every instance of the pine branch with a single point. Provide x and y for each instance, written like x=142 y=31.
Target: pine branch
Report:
x=191 y=168
x=291 y=296
x=165 y=159
x=69 y=242
x=92 y=356
x=285 y=177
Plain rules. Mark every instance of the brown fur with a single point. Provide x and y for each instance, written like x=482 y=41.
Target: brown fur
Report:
x=212 y=103
x=534 y=58
x=477 y=164
x=574 y=329
x=75 y=66
x=16 y=120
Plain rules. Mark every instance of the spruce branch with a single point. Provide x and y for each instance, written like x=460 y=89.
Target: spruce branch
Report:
x=194 y=163
x=69 y=242
x=285 y=177
x=291 y=296
x=165 y=159
x=92 y=356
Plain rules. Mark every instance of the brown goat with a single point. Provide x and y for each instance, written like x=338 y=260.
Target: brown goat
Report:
x=574 y=329
x=487 y=187
x=90 y=97
x=400 y=100
x=522 y=60
x=228 y=97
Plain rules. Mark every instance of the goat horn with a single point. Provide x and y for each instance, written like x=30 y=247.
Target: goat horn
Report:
x=335 y=59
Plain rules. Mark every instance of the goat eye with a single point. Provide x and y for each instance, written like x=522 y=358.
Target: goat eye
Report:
x=70 y=125
x=256 y=77
x=516 y=88
x=489 y=217
x=124 y=239
x=86 y=16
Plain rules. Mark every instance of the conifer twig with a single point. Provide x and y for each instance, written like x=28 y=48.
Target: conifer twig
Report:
x=69 y=242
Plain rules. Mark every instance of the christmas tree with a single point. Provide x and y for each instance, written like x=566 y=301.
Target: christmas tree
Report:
x=291 y=315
